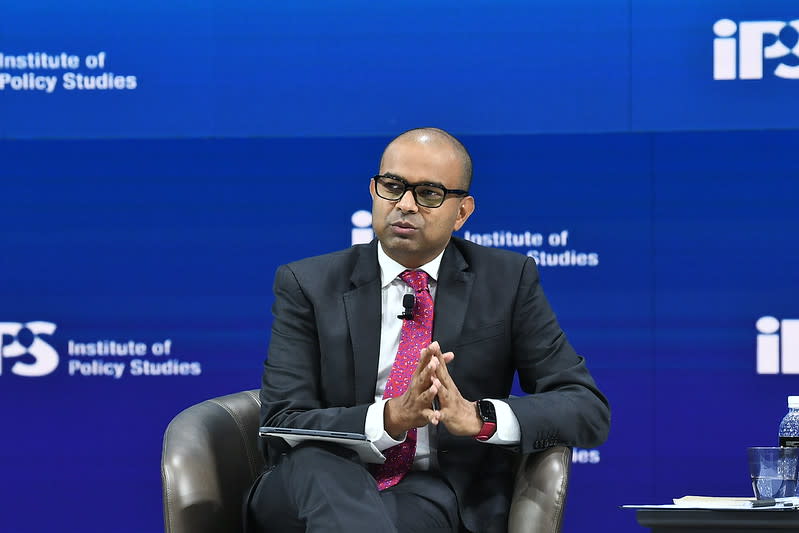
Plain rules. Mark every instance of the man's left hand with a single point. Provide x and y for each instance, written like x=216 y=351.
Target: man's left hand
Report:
x=458 y=414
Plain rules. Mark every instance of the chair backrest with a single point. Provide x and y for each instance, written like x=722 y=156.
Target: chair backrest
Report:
x=209 y=460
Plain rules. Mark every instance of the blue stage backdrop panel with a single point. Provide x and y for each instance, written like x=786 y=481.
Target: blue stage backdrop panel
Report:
x=155 y=240
x=726 y=228
x=309 y=69
x=715 y=64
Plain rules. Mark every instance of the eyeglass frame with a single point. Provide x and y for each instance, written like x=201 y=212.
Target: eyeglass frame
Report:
x=408 y=187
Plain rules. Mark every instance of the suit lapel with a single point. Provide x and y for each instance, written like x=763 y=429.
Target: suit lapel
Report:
x=362 y=305
x=363 y=311
x=452 y=298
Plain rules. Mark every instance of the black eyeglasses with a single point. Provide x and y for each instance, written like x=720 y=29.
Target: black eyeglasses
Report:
x=426 y=195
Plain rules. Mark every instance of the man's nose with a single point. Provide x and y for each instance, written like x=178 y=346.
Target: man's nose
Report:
x=407 y=203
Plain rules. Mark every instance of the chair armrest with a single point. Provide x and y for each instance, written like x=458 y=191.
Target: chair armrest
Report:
x=539 y=493
x=209 y=460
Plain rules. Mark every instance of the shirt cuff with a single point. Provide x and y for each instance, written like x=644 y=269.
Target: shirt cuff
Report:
x=508 y=431
x=375 y=428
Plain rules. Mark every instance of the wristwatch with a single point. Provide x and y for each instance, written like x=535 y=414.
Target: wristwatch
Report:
x=486 y=412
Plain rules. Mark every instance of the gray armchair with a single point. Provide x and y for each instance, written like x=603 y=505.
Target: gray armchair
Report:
x=210 y=459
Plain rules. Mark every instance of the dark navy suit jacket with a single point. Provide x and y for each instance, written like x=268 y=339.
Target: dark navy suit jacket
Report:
x=490 y=311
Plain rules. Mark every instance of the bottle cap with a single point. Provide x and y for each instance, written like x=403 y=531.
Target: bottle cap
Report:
x=793 y=402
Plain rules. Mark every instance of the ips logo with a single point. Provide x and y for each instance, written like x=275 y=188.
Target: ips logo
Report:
x=777 y=345
x=27 y=354
x=739 y=50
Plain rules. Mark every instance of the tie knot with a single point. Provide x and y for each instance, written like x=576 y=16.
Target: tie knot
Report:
x=417 y=279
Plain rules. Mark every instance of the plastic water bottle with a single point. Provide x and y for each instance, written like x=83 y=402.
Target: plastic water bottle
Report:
x=789 y=427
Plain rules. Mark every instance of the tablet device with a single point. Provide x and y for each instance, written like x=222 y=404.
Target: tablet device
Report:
x=355 y=441
x=268 y=431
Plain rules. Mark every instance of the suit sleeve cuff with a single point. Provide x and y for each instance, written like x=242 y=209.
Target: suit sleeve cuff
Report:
x=375 y=428
x=508 y=431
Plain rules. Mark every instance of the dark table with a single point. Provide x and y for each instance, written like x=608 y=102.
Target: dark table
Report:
x=716 y=521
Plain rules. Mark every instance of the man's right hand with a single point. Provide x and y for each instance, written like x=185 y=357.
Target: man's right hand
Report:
x=414 y=408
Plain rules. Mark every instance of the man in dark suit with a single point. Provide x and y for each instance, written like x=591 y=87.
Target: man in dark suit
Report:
x=443 y=418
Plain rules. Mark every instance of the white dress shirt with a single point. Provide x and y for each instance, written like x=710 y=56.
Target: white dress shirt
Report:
x=392 y=291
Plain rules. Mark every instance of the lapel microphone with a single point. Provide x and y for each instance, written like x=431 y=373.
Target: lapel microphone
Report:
x=408 y=301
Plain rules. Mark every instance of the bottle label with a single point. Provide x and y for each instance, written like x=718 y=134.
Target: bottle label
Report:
x=791 y=442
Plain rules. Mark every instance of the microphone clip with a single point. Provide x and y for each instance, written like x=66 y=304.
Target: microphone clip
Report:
x=408 y=301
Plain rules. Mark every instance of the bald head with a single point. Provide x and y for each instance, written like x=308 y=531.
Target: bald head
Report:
x=434 y=138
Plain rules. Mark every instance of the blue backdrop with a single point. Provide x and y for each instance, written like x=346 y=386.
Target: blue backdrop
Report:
x=148 y=218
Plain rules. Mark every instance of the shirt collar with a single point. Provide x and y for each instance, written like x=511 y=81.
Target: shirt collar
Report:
x=390 y=269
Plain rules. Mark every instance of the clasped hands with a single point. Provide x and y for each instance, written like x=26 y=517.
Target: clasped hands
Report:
x=415 y=409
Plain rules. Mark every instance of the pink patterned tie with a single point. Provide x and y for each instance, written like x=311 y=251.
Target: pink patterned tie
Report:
x=416 y=334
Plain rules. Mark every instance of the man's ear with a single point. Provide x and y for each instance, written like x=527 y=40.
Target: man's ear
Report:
x=464 y=212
